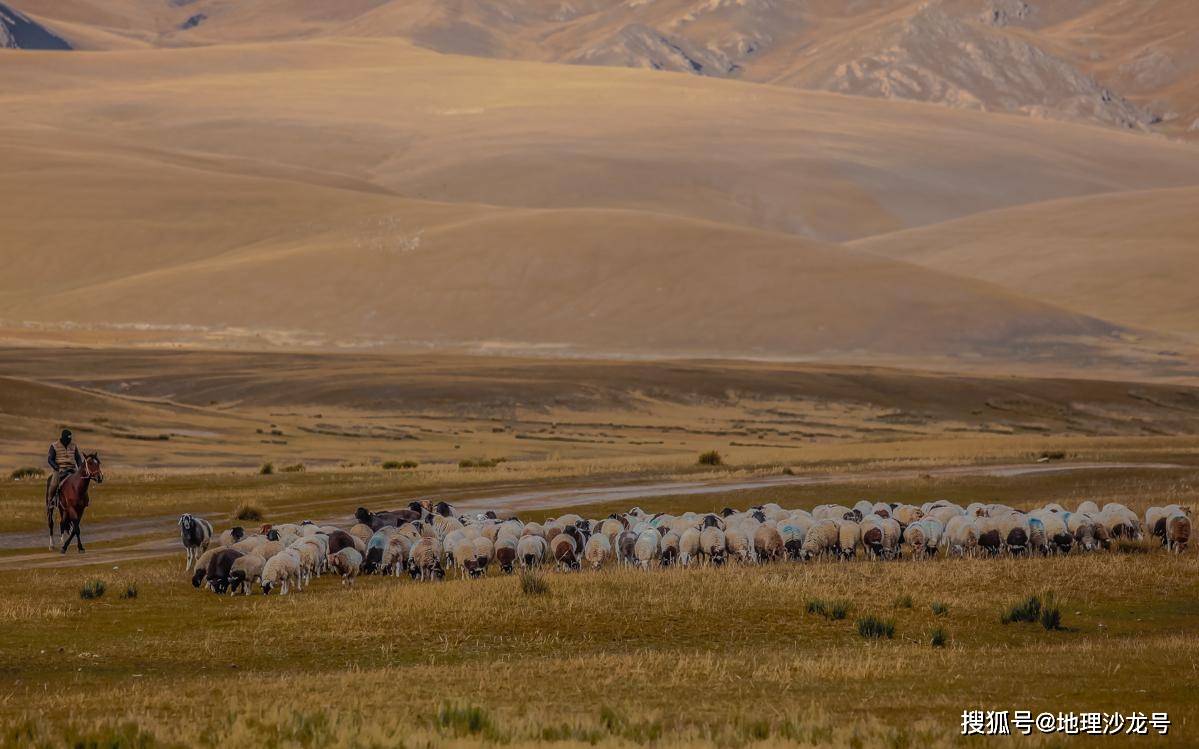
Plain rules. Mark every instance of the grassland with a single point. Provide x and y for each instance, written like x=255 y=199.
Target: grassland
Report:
x=718 y=657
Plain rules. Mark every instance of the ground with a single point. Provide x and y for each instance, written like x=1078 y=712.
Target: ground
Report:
x=714 y=657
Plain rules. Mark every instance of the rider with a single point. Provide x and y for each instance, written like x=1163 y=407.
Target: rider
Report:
x=64 y=459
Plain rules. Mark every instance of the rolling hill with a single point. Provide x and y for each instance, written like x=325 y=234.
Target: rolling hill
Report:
x=1126 y=257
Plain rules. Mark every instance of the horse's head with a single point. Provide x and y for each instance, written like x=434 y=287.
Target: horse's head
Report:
x=92 y=469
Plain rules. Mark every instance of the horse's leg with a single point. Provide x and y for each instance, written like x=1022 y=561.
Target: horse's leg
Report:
x=68 y=530
x=50 y=523
x=78 y=537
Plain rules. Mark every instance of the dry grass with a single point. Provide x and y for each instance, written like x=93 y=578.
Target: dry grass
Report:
x=705 y=656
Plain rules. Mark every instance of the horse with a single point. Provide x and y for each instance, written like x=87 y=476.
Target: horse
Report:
x=73 y=499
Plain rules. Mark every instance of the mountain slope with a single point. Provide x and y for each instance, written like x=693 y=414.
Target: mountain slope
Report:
x=1124 y=63
x=1128 y=257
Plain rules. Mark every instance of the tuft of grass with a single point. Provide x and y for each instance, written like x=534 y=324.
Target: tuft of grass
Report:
x=1028 y=610
x=903 y=602
x=939 y=608
x=1130 y=546
x=129 y=593
x=532 y=583
x=480 y=462
x=1051 y=618
x=267 y=469
x=28 y=472
x=871 y=627
x=940 y=638
x=251 y=511
x=467 y=720
x=293 y=468
x=92 y=590
x=710 y=458
x=397 y=465
x=836 y=610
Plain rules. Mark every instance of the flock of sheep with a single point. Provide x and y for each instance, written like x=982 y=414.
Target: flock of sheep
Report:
x=426 y=540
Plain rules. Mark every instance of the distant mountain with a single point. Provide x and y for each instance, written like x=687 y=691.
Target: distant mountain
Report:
x=18 y=31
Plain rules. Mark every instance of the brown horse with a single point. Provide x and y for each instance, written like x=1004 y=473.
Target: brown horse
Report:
x=73 y=499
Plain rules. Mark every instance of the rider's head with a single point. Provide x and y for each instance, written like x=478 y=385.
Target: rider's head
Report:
x=65 y=437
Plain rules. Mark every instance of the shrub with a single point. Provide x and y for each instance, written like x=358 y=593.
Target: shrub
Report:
x=940 y=609
x=903 y=602
x=293 y=468
x=130 y=592
x=533 y=583
x=251 y=511
x=940 y=638
x=267 y=469
x=710 y=458
x=28 y=472
x=93 y=589
x=872 y=627
x=1028 y=610
x=480 y=462
x=396 y=465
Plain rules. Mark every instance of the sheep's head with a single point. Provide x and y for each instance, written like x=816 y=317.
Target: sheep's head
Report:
x=198 y=577
x=186 y=522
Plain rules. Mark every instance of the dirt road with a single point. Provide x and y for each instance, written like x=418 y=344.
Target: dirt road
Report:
x=164 y=541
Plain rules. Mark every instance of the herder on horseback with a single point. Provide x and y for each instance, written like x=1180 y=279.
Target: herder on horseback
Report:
x=64 y=459
x=72 y=471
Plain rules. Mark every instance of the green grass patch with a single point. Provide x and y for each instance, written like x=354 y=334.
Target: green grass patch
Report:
x=1028 y=610
x=92 y=590
x=836 y=610
x=129 y=593
x=939 y=608
x=903 y=602
x=874 y=628
x=267 y=469
x=939 y=638
x=293 y=468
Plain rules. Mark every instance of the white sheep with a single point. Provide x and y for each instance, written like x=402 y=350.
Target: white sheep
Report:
x=961 y=535
x=647 y=548
x=597 y=551
x=282 y=571
x=821 y=539
x=346 y=562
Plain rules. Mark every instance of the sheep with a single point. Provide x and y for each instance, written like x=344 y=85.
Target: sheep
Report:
x=961 y=535
x=200 y=568
x=863 y=508
x=849 y=536
x=505 y=553
x=768 y=543
x=668 y=549
x=462 y=553
x=346 y=562
x=249 y=544
x=647 y=549
x=905 y=515
x=1083 y=526
x=1120 y=522
x=245 y=571
x=793 y=531
x=339 y=539
x=1015 y=532
x=280 y=571
x=269 y=549
x=231 y=536
x=1057 y=535
x=712 y=545
x=739 y=546
x=424 y=561
x=566 y=551
x=1087 y=507
x=531 y=551
x=217 y=575
x=597 y=551
x=881 y=536
x=196 y=534
x=990 y=534
x=689 y=546
x=623 y=547
x=916 y=537
x=1178 y=532
x=484 y=551
x=362 y=532
x=822 y=538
